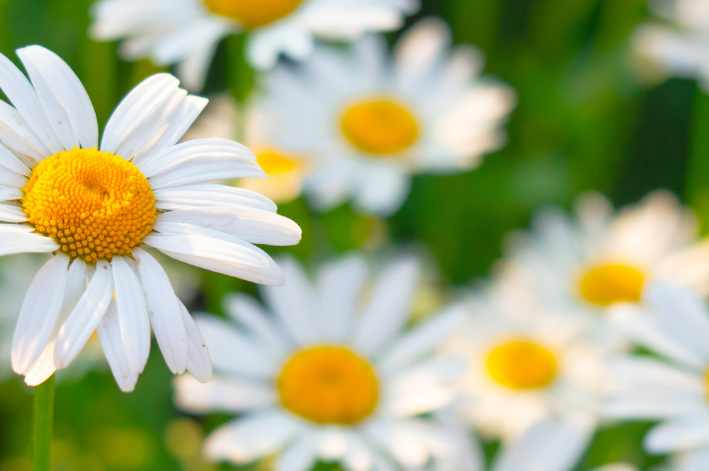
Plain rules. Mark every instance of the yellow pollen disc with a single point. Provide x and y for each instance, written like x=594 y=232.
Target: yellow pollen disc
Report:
x=275 y=163
x=522 y=365
x=329 y=384
x=94 y=204
x=253 y=13
x=381 y=127
x=613 y=283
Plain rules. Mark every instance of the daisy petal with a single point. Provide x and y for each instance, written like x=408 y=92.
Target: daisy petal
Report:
x=252 y=225
x=10 y=194
x=199 y=362
x=247 y=311
x=215 y=251
x=109 y=333
x=164 y=309
x=21 y=239
x=11 y=162
x=201 y=195
x=12 y=213
x=251 y=437
x=221 y=395
x=63 y=97
x=200 y=172
x=132 y=314
x=300 y=455
x=85 y=317
x=39 y=313
x=15 y=134
x=339 y=286
x=43 y=368
x=388 y=308
x=679 y=434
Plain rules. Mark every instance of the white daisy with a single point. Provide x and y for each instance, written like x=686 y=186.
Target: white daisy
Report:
x=672 y=385
x=286 y=171
x=187 y=32
x=597 y=257
x=97 y=208
x=679 y=45
x=372 y=123
x=524 y=365
x=326 y=372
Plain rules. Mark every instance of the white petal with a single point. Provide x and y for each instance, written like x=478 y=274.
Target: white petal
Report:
x=299 y=456
x=339 y=287
x=199 y=362
x=245 y=439
x=221 y=395
x=12 y=179
x=12 y=213
x=676 y=435
x=200 y=172
x=148 y=98
x=10 y=194
x=215 y=251
x=109 y=333
x=11 y=162
x=43 y=368
x=85 y=317
x=16 y=135
x=39 y=313
x=64 y=98
x=252 y=225
x=164 y=309
x=24 y=98
x=196 y=150
x=132 y=314
x=247 y=311
x=210 y=194
x=20 y=239
x=388 y=308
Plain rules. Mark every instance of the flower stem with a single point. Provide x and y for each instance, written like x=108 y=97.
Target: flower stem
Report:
x=241 y=79
x=697 y=175
x=43 y=424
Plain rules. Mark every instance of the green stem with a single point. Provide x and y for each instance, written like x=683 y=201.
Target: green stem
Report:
x=697 y=175
x=43 y=424
x=241 y=79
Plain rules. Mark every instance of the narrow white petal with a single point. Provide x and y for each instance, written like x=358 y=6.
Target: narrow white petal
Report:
x=164 y=309
x=215 y=251
x=39 y=313
x=209 y=194
x=64 y=98
x=196 y=150
x=252 y=225
x=300 y=455
x=24 y=98
x=388 y=308
x=16 y=135
x=339 y=287
x=21 y=239
x=132 y=314
x=247 y=311
x=12 y=179
x=199 y=362
x=10 y=194
x=12 y=213
x=109 y=333
x=222 y=395
x=12 y=162
x=85 y=316
x=201 y=172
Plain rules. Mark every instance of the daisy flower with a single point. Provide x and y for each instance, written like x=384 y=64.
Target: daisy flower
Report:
x=524 y=365
x=326 y=371
x=96 y=209
x=670 y=386
x=597 y=257
x=187 y=32
x=371 y=123
x=678 y=45
x=286 y=171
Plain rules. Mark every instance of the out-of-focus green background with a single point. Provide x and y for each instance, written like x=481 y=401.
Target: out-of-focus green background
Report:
x=583 y=122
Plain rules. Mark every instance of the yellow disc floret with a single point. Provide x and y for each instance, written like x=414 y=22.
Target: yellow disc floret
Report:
x=381 y=126
x=253 y=13
x=522 y=365
x=276 y=163
x=94 y=204
x=612 y=283
x=329 y=384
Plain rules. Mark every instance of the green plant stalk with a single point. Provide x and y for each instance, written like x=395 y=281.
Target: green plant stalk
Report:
x=241 y=79
x=696 y=190
x=43 y=424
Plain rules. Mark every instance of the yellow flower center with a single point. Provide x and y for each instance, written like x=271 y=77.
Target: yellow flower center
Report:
x=522 y=365
x=275 y=163
x=253 y=13
x=94 y=204
x=329 y=384
x=381 y=127
x=612 y=283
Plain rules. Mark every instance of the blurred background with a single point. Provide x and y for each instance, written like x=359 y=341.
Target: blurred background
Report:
x=584 y=121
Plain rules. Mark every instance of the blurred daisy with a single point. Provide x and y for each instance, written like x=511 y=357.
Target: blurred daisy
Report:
x=326 y=373
x=372 y=123
x=97 y=208
x=525 y=365
x=286 y=171
x=598 y=258
x=673 y=388
x=187 y=32
x=549 y=445
x=679 y=45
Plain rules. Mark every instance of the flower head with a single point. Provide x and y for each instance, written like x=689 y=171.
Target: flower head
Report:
x=326 y=373
x=97 y=208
